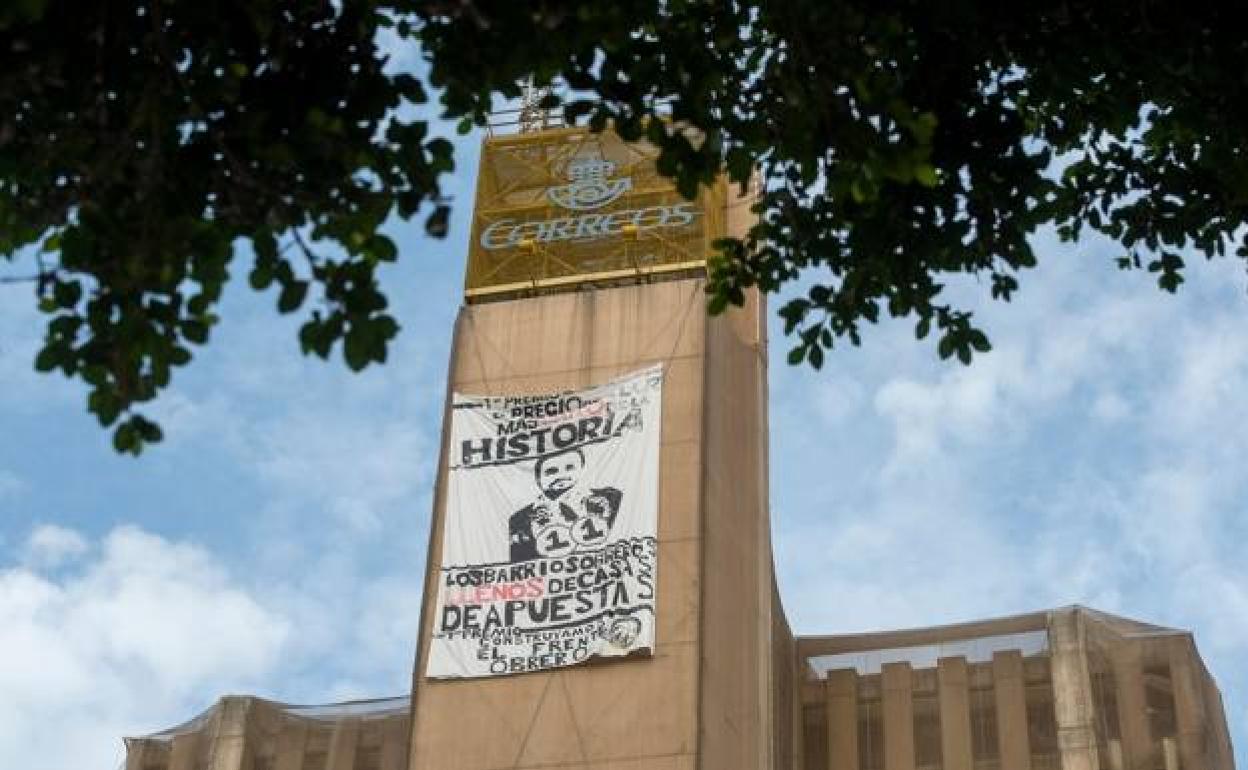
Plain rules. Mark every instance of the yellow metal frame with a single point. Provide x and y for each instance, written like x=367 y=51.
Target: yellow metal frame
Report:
x=512 y=179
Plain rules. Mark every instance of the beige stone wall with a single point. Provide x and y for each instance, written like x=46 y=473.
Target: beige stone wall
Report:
x=737 y=586
x=249 y=733
x=1101 y=693
x=705 y=698
x=654 y=712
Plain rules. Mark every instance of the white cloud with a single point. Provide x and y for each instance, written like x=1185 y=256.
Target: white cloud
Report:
x=1094 y=456
x=144 y=628
x=50 y=545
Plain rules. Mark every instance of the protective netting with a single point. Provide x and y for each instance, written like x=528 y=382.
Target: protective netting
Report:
x=246 y=733
x=563 y=208
x=1069 y=689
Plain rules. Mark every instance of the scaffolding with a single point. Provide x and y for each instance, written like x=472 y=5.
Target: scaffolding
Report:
x=249 y=733
x=567 y=207
x=1069 y=689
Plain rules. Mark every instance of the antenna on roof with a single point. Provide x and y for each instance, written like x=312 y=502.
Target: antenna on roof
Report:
x=533 y=117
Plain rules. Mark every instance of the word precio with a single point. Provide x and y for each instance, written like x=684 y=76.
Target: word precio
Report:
x=508 y=233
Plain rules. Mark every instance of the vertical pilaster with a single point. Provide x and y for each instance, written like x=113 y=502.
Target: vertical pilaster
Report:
x=1072 y=692
x=898 y=717
x=136 y=754
x=955 y=713
x=1010 y=691
x=291 y=742
x=1189 y=706
x=342 y=745
x=183 y=751
x=393 y=744
x=796 y=678
x=841 y=708
x=1137 y=743
x=1114 y=758
x=1170 y=753
x=230 y=750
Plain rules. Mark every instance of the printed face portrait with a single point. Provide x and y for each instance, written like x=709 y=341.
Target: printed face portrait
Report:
x=624 y=631
x=557 y=474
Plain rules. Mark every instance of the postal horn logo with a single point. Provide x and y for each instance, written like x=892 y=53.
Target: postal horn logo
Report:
x=589 y=185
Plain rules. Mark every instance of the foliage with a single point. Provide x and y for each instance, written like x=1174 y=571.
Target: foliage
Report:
x=898 y=144
x=141 y=141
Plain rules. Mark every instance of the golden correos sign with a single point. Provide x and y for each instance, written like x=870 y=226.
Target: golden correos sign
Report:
x=560 y=207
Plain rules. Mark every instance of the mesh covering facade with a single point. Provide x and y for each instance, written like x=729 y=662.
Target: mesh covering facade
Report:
x=248 y=733
x=565 y=207
x=584 y=265
x=1070 y=689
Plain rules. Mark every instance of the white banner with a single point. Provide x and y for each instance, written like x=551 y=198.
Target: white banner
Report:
x=549 y=548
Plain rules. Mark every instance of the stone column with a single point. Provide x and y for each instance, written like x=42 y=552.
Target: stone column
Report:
x=342 y=745
x=291 y=742
x=1072 y=692
x=955 y=713
x=1137 y=742
x=231 y=750
x=898 y=717
x=184 y=751
x=394 y=744
x=1011 y=698
x=1189 y=705
x=136 y=753
x=841 y=709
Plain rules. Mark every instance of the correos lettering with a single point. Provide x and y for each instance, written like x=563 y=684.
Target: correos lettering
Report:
x=508 y=233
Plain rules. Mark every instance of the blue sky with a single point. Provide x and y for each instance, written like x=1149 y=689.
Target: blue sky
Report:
x=274 y=544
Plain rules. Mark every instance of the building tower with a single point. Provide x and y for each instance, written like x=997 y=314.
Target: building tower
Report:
x=585 y=265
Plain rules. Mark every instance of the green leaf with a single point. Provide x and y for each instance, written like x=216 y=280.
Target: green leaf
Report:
x=49 y=357
x=104 y=403
x=979 y=341
x=147 y=430
x=179 y=356
x=382 y=248
x=438 y=222
x=816 y=357
x=126 y=439
x=195 y=331
x=261 y=276
x=739 y=164
x=355 y=349
x=410 y=88
x=265 y=245
x=292 y=296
